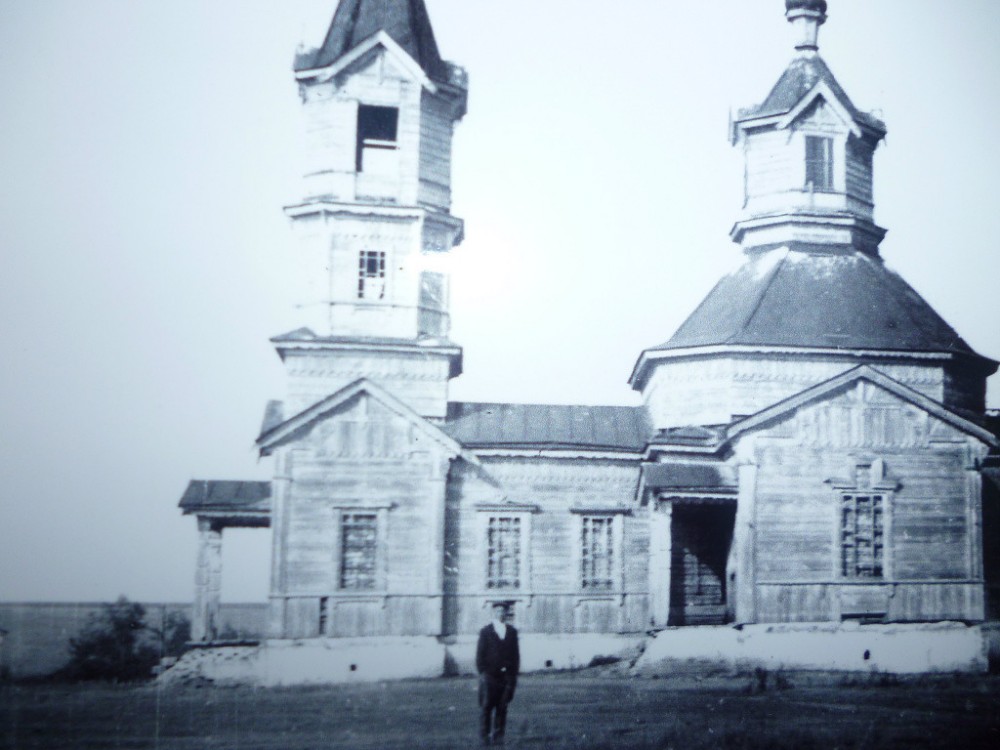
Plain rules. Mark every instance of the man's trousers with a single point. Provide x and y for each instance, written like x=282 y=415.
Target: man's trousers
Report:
x=495 y=692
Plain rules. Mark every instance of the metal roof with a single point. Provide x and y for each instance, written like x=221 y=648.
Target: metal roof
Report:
x=274 y=414
x=681 y=477
x=226 y=496
x=406 y=21
x=844 y=300
x=544 y=426
x=798 y=79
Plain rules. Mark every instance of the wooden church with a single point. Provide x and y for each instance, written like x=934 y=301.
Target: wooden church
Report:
x=810 y=447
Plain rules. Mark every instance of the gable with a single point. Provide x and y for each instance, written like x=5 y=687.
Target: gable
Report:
x=406 y=22
x=379 y=50
x=362 y=427
x=820 y=117
x=361 y=419
x=375 y=65
x=821 y=105
x=862 y=408
x=863 y=415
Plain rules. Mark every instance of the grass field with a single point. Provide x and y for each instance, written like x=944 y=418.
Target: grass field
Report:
x=580 y=710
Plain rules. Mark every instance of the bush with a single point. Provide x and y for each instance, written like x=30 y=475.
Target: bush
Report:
x=174 y=635
x=113 y=645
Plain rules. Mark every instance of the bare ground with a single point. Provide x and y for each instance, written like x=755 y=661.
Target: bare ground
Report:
x=588 y=709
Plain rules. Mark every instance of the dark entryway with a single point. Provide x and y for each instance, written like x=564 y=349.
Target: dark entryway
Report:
x=702 y=535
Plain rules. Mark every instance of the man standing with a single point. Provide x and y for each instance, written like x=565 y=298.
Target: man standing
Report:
x=497 y=661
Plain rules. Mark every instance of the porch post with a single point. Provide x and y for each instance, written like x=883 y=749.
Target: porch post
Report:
x=976 y=603
x=207 y=581
x=744 y=545
x=660 y=550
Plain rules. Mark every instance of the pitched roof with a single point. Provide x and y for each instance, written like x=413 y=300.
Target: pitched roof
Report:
x=543 y=426
x=296 y=425
x=406 y=21
x=223 y=496
x=844 y=300
x=689 y=477
x=848 y=378
x=799 y=78
x=274 y=414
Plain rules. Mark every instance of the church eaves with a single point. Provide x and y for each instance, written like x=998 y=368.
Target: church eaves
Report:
x=406 y=21
x=798 y=298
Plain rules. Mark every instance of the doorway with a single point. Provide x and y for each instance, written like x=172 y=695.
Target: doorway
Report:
x=702 y=535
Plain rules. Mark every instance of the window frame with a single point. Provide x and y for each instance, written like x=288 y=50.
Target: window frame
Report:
x=366 y=131
x=822 y=165
x=380 y=552
x=521 y=513
x=616 y=519
x=869 y=479
x=367 y=278
x=873 y=533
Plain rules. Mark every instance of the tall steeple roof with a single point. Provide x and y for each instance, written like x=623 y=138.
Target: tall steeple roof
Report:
x=406 y=21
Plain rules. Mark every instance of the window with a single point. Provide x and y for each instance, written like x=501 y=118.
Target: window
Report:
x=819 y=163
x=503 y=552
x=862 y=542
x=357 y=551
x=377 y=133
x=597 y=553
x=371 y=274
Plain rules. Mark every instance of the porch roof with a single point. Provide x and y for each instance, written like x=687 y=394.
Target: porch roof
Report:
x=689 y=477
x=227 y=498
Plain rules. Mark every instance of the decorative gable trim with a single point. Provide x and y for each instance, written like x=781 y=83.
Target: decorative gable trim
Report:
x=507 y=507
x=820 y=91
x=871 y=375
x=287 y=430
x=380 y=38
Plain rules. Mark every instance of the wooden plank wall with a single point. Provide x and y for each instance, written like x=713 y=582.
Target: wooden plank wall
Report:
x=418 y=380
x=364 y=459
x=927 y=524
x=551 y=599
x=711 y=391
x=435 y=152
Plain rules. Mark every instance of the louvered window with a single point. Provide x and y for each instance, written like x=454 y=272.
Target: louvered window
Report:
x=357 y=551
x=862 y=542
x=819 y=163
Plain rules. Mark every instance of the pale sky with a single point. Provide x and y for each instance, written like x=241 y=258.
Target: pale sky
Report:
x=147 y=148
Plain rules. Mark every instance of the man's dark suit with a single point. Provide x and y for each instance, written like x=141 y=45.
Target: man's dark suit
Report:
x=497 y=662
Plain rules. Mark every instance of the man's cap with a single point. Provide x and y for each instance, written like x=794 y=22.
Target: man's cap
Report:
x=504 y=603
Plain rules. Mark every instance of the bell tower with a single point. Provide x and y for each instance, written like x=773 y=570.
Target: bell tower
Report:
x=374 y=223
x=808 y=154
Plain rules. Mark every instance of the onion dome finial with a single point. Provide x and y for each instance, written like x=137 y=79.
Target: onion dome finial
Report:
x=806 y=16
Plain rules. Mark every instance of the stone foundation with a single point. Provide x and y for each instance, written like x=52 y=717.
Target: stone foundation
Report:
x=840 y=647
x=847 y=647
x=540 y=651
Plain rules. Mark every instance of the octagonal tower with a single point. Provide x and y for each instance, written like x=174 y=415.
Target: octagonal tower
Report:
x=813 y=297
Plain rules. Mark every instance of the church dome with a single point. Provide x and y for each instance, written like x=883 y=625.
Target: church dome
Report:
x=802 y=298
